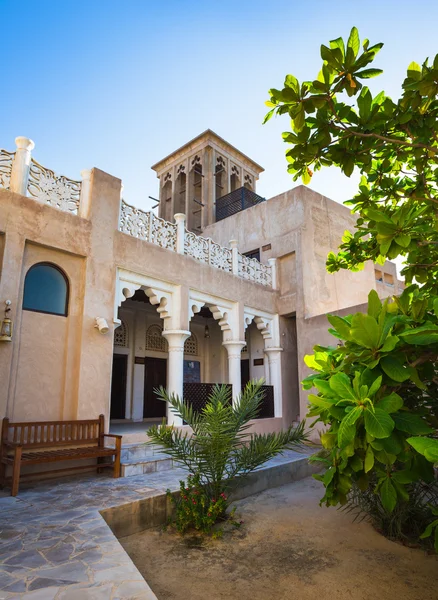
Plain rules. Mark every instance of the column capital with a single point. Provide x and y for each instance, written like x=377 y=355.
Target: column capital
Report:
x=24 y=143
x=234 y=347
x=273 y=350
x=176 y=338
x=179 y=217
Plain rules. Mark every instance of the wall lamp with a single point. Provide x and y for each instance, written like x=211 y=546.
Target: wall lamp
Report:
x=101 y=325
x=6 y=325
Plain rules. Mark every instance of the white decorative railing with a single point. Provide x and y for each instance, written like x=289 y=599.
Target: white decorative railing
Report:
x=56 y=190
x=208 y=251
x=146 y=226
x=174 y=236
x=6 y=161
x=20 y=173
x=252 y=269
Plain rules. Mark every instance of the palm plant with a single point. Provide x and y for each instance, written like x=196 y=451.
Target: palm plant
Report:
x=219 y=450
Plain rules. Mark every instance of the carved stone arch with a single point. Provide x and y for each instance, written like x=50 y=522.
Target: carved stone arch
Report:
x=195 y=162
x=219 y=313
x=121 y=335
x=154 y=339
x=162 y=300
x=263 y=324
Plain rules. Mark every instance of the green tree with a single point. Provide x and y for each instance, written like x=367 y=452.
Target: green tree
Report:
x=219 y=450
x=336 y=120
x=377 y=392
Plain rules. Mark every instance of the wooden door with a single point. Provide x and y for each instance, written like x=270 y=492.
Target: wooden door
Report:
x=155 y=376
x=244 y=371
x=118 y=386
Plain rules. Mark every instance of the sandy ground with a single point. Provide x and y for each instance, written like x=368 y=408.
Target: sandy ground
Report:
x=288 y=548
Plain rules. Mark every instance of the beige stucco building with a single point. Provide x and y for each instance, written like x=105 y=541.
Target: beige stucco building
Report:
x=108 y=301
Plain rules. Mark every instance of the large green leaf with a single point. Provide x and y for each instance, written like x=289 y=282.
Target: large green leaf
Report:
x=421 y=336
x=346 y=433
x=394 y=369
x=341 y=325
x=354 y=41
x=391 y=403
x=321 y=402
x=411 y=423
x=378 y=423
x=369 y=459
x=324 y=388
x=374 y=304
x=365 y=331
x=388 y=495
x=428 y=447
x=340 y=383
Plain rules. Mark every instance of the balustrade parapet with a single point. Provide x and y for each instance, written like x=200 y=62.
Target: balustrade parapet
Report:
x=174 y=236
x=22 y=174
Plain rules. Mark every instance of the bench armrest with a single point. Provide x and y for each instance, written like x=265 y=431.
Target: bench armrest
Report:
x=12 y=444
x=111 y=435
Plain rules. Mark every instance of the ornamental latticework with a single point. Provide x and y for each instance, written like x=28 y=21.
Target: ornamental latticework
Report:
x=56 y=190
x=6 y=160
x=207 y=251
x=252 y=269
x=121 y=335
x=155 y=340
x=191 y=345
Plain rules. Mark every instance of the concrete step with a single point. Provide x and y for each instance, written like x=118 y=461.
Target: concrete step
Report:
x=142 y=466
x=131 y=452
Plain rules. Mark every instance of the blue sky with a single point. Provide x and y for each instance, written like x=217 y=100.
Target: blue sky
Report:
x=119 y=85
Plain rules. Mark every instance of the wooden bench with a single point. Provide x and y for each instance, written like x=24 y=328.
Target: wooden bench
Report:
x=52 y=441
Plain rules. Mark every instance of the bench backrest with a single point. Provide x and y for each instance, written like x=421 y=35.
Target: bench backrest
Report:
x=54 y=433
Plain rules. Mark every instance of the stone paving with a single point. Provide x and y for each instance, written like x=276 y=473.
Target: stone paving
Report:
x=55 y=545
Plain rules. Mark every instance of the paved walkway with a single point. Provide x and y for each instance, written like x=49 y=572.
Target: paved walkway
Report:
x=54 y=544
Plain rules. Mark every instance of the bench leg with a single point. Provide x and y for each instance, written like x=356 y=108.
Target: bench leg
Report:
x=117 y=458
x=16 y=470
x=2 y=474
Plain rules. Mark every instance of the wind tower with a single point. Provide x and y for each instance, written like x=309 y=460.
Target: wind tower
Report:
x=207 y=179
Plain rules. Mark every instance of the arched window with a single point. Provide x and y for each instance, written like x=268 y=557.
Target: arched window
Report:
x=121 y=335
x=191 y=345
x=46 y=290
x=155 y=340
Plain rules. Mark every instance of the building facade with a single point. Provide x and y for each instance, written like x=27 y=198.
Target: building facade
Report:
x=109 y=302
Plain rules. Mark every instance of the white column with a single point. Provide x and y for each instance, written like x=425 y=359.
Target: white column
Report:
x=180 y=220
x=175 y=368
x=21 y=165
x=273 y=263
x=234 y=257
x=85 y=202
x=234 y=349
x=274 y=358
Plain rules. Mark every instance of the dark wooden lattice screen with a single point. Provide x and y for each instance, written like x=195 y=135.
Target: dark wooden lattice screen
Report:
x=267 y=406
x=197 y=395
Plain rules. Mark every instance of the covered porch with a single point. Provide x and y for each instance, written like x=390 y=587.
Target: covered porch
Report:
x=151 y=350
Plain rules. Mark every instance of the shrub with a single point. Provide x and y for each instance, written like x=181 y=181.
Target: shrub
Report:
x=375 y=391
x=218 y=451
x=194 y=508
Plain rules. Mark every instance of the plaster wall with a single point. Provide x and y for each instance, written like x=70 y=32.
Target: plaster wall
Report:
x=70 y=359
x=46 y=375
x=299 y=228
